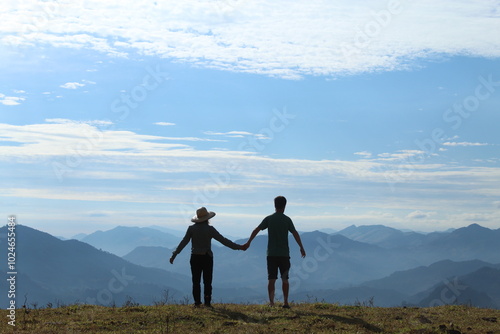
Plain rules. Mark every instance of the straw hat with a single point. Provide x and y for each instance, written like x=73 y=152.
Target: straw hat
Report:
x=202 y=215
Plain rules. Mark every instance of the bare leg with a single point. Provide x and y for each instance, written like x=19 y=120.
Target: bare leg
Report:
x=270 y=290
x=285 y=287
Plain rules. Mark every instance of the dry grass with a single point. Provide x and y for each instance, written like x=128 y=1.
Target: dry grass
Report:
x=236 y=318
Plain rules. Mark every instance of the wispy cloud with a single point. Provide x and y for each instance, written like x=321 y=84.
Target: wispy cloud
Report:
x=164 y=123
x=237 y=134
x=276 y=39
x=69 y=121
x=72 y=85
x=399 y=155
x=464 y=144
x=10 y=100
x=62 y=137
x=169 y=171
x=420 y=214
x=364 y=154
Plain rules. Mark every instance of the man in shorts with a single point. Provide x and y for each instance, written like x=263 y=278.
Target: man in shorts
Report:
x=278 y=252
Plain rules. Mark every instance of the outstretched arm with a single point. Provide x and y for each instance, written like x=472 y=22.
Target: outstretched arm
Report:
x=181 y=246
x=252 y=236
x=226 y=242
x=299 y=242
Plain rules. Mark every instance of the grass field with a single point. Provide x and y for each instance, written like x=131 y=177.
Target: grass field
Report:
x=236 y=318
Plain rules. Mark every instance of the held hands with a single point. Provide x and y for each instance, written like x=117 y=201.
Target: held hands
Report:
x=245 y=246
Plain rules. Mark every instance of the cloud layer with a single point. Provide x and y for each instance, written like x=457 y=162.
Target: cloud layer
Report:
x=93 y=150
x=276 y=38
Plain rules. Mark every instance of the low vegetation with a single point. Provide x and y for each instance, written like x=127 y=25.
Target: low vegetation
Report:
x=239 y=318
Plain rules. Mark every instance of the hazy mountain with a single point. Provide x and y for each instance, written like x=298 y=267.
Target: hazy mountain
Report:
x=79 y=236
x=422 y=278
x=333 y=261
x=174 y=232
x=372 y=234
x=52 y=270
x=446 y=282
x=388 y=237
x=480 y=288
x=70 y=271
x=328 y=230
x=463 y=244
x=123 y=239
x=467 y=243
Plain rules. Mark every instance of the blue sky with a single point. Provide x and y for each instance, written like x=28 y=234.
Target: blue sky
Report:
x=128 y=113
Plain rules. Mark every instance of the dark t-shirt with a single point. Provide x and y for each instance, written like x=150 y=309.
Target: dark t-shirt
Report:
x=278 y=225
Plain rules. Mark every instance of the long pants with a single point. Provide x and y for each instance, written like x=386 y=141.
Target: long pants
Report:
x=202 y=264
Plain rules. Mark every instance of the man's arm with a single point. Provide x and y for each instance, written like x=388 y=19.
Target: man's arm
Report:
x=299 y=242
x=252 y=236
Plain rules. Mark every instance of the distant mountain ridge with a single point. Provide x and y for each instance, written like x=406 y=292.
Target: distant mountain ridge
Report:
x=52 y=270
x=337 y=269
x=123 y=239
x=422 y=278
x=388 y=237
x=480 y=288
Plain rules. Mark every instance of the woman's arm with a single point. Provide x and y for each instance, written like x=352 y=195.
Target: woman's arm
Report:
x=182 y=244
x=226 y=242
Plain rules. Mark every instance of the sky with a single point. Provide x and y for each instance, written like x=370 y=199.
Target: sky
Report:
x=136 y=113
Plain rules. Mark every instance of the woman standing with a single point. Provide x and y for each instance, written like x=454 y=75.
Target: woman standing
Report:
x=202 y=262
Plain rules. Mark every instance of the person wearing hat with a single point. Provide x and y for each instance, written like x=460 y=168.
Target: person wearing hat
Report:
x=202 y=262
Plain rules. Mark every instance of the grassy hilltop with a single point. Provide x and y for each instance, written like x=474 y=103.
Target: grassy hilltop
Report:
x=236 y=318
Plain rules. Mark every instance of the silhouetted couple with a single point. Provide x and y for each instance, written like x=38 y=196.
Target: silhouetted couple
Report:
x=278 y=252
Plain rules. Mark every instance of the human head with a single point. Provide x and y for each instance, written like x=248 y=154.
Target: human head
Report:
x=280 y=203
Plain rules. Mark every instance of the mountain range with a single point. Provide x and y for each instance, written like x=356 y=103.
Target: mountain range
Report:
x=121 y=239
x=358 y=264
x=54 y=271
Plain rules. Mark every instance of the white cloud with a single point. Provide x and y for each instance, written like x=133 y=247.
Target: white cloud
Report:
x=237 y=134
x=276 y=38
x=464 y=143
x=72 y=85
x=172 y=172
x=66 y=195
x=420 y=215
x=164 y=123
x=69 y=121
x=401 y=155
x=10 y=100
x=364 y=154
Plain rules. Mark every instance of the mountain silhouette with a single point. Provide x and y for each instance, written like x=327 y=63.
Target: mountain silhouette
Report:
x=337 y=269
x=70 y=271
x=123 y=239
x=480 y=288
x=415 y=280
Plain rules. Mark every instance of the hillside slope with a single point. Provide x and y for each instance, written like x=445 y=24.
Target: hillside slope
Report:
x=250 y=319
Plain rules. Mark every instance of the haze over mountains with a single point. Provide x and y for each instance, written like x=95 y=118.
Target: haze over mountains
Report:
x=357 y=264
x=122 y=240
